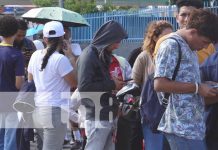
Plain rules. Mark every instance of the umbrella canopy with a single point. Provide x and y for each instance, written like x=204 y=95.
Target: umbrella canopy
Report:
x=34 y=30
x=45 y=14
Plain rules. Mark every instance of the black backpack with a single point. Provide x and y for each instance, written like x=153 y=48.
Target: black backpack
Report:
x=151 y=109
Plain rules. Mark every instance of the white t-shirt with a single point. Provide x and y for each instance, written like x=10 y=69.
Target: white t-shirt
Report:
x=50 y=84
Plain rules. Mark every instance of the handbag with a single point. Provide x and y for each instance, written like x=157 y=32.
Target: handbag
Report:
x=25 y=100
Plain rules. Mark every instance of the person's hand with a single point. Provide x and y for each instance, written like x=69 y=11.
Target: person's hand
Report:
x=67 y=49
x=119 y=83
x=206 y=91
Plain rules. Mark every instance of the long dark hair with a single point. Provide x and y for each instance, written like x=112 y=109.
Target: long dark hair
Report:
x=105 y=57
x=53 y=44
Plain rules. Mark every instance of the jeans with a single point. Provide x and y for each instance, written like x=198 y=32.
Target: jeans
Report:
x=8 y=129
x=154 y=141
x=48 y=121
x=181 y=143
x=99 y=138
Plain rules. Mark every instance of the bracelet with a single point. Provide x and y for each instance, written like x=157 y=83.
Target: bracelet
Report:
x=196 y=87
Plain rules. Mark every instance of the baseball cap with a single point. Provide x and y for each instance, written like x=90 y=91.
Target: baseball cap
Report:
x=53 y=29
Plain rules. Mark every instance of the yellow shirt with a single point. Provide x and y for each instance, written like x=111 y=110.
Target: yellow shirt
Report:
x=202 y=54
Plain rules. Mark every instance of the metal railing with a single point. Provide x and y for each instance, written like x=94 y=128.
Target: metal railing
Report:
x=135 y=22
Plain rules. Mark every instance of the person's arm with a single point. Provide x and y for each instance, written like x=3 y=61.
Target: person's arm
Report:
x=137 y=71
x=139 y=67
x=166 y=61
x=74 y=106
x=30 y=77
x=19 y=81
x=69 y=54
x=65 y=70
x=19 y=71
x=70 y=78
x=169 y=86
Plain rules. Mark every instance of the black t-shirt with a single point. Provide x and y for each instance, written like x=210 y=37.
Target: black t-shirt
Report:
x=133 y=55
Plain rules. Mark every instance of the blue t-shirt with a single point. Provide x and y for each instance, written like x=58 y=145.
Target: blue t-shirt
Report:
x=209 y=68
x=11 y=65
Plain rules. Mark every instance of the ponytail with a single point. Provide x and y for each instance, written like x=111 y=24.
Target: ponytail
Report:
x=50 y=50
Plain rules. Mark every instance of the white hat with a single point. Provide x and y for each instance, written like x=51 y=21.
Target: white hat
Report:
x=53 y=29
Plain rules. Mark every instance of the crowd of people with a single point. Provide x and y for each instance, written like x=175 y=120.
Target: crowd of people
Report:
x=77 y=89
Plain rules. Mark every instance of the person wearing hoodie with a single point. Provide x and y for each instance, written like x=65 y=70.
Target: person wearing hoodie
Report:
x=94 y=76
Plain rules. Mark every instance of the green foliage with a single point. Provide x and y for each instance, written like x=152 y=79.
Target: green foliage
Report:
x=81 y=6
x=84 y=6
x=43 y=3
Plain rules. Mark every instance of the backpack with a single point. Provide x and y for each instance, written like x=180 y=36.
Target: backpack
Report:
x=151 y=108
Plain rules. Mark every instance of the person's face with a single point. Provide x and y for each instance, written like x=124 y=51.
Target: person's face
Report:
x=113 y=46
x=20 y=35
x=197 y=41
x=164 y=32
x=183 y=14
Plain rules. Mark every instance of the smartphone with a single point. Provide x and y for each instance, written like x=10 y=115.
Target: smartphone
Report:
x=127 y=80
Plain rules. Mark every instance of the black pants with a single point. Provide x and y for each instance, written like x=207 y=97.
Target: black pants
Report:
x=24 y=136
x=129 y=134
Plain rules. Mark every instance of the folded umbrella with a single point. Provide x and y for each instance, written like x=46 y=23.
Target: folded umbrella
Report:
x=35 y=30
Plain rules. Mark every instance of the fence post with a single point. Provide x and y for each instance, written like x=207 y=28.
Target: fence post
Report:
x=105 y=17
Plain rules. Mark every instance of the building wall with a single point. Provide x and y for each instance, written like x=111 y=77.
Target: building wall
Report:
x=16 y=2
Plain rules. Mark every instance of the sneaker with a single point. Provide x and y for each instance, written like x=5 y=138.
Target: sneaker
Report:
x=72 y=142
x=76 y=145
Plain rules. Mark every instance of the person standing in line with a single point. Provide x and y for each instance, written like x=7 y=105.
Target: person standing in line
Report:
x=94 y=76
x=183 y=122
x=184 y=8
x=143 y=67
x=26 y=46
x=53 y=74
x=11 y=79
x=77 y=141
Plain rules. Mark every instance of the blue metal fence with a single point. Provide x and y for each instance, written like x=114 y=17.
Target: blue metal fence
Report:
x=135 y=22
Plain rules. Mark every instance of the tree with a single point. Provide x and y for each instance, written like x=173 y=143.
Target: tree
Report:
x=44 y=3
x=81 y=6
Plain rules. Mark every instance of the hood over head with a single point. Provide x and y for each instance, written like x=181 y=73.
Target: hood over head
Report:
x=109 y=33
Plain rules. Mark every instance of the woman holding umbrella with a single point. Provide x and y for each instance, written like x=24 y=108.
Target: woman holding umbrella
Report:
x=53 y=74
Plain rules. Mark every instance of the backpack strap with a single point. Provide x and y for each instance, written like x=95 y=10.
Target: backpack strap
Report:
x=167 y=95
